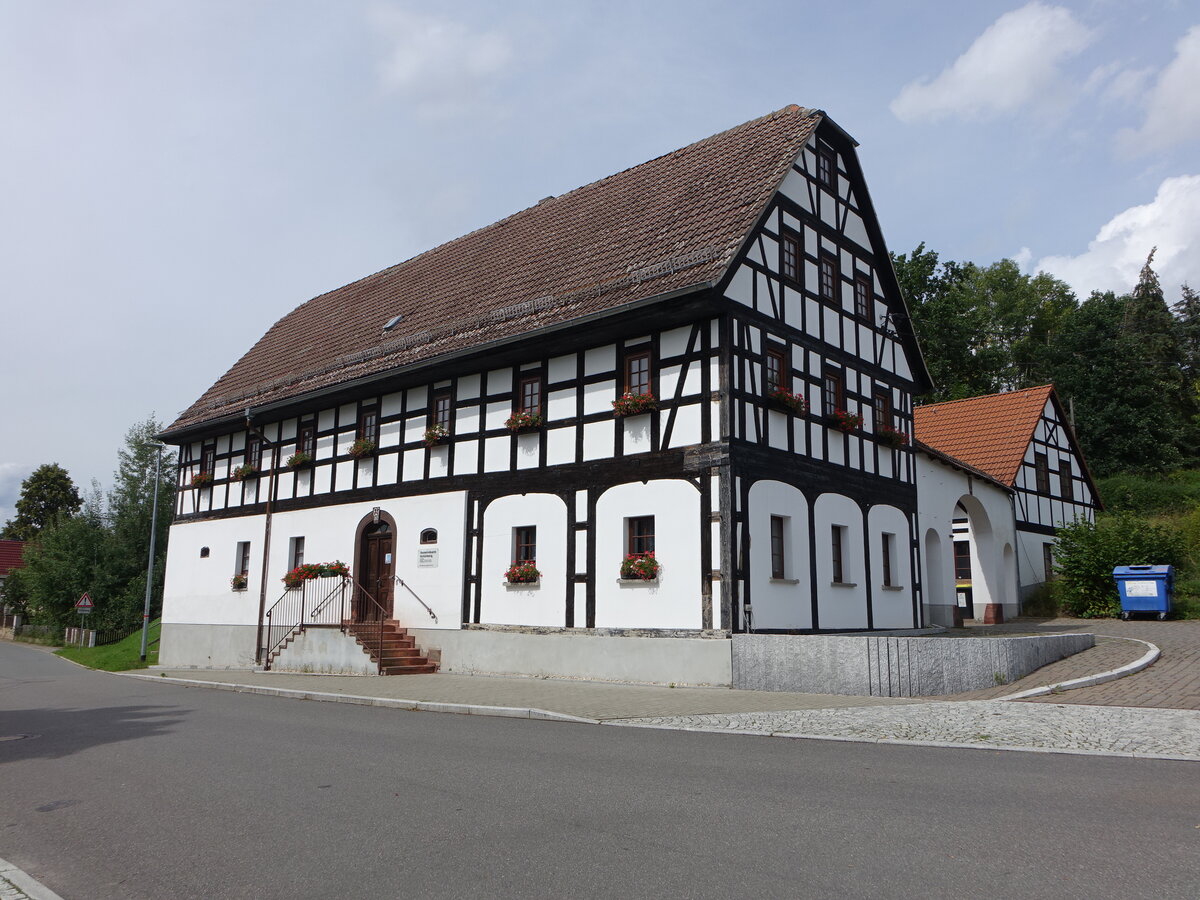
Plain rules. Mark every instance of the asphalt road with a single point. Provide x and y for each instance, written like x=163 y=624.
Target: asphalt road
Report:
x=134 y=789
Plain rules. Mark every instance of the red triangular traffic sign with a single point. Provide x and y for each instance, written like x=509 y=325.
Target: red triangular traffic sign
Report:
x=84 y=602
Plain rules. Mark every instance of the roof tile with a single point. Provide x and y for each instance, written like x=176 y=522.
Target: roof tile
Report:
x=664 y=225
x=990 y=433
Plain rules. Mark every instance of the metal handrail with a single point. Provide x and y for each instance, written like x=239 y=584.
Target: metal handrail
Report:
x=432 y=614
x=293 y=612
x=380 y=619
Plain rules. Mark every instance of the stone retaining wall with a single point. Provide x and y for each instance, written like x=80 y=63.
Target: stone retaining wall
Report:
x=892 y=666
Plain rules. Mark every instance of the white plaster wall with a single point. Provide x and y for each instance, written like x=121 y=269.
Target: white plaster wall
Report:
x=673 y=601
x=197 y=589
x=891 y=607
x=774 y=603
x=541 y=604
x=940 y=488
x=843 y=605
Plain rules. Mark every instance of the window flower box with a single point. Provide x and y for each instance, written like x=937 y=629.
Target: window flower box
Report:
x=238 y=583
x=629 y=404
x=299 y=460
x=202 y=479
x=436 y=434
x=788 y=402
x=242 y=472
x=891 y=437
x=522 y=573
x=844 y=421
x=640 y=567
x=520 y=422
x=362 y=448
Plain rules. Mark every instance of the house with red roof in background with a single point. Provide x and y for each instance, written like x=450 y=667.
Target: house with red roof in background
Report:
x=1019 y=444
x=11 y=557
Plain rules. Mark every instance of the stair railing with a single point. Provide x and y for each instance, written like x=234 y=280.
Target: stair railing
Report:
x=366 y=610
x=314 y=602
x=432 y=614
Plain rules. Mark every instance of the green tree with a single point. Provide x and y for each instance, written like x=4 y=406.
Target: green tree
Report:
x=47 y=495
x=983 y=329
x=1118 y=359
x=68 y=559
x=130 y=504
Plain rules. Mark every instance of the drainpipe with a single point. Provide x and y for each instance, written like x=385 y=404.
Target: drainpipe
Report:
x=266 y=557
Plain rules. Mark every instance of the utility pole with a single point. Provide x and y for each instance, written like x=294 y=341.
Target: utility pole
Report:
x=150 y=562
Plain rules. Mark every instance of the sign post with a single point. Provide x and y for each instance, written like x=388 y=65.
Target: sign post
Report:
x=83 y=606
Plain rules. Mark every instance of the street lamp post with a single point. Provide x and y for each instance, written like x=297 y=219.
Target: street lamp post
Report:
x=150 y=562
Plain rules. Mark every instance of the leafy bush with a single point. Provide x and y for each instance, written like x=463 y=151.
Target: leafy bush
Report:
x=1151 y=494
x=1086 y=554
x=1043 y=601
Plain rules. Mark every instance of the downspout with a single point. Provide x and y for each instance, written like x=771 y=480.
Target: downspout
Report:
x=266 y=557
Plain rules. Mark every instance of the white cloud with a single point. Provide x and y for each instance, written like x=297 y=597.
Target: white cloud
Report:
x=1173 y=104
x=1012 y=64
x=1113 y=260
x=439 y=63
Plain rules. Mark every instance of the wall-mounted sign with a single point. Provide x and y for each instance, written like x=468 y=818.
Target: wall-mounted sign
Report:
x=427 y=559
x=387 y=559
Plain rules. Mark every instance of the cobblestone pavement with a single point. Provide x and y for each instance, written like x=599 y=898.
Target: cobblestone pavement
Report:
x=1173 y=734
x=1171 y=683
x=588 y=699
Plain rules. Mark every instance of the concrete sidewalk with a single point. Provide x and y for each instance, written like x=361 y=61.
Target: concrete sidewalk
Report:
x=977 y=720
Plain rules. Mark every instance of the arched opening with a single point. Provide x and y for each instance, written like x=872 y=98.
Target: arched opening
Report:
x=977 y=559
x=934 y=579
x=374 y=567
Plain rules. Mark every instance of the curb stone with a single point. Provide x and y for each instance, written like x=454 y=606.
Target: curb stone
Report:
x=1152 y=654
x=468 y=709
x=949 y=745
x=26 y=885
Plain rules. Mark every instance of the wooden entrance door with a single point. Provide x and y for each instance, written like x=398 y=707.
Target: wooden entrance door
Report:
x=375 y=571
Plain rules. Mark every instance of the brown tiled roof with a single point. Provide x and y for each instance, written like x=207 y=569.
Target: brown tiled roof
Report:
x=990 y=433
x=10 y=556
x=665 y=225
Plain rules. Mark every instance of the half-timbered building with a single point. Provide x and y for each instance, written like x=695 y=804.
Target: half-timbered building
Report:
x=1021 y=441
x=705 y=357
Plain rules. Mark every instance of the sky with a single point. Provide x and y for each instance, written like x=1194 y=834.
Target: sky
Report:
x=176 y=176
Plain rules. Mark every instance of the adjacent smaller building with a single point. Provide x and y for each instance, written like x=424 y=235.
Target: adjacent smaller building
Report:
x=981 y=455
x=11 y=557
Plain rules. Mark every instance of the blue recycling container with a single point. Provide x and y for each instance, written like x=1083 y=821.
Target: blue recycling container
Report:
x=1145 y=589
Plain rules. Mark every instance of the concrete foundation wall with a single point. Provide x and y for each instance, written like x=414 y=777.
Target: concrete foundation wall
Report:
x=327 y=651
x=648 y=660
x=892 y=666
x=184 y=646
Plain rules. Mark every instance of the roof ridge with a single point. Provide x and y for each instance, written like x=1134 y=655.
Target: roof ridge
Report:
x=805 y=112
x=1040 y=387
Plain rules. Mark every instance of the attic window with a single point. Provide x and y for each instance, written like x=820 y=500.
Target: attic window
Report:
x=393 y=322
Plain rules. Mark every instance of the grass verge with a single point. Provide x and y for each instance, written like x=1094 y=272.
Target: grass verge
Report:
x=119 y=656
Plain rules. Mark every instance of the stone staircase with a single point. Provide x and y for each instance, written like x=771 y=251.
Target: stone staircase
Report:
x=396 y=650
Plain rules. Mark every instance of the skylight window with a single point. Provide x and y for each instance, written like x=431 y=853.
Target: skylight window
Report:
x=393 y=322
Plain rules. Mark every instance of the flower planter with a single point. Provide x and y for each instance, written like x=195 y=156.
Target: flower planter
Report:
x=299 y=461
x=786 y=401
x=643 y=567
x=237 y=583
x=523 y=422
x=634 y=405
x=361 y=449
x=522 y=573
x=436 y=434
x=309 y=571
x=241 y=473
x=202 y=479
x=890 y=437
x=843 y=421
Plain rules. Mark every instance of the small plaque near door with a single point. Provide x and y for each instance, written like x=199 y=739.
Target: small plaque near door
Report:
x=387 y=559
x=427 y=559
